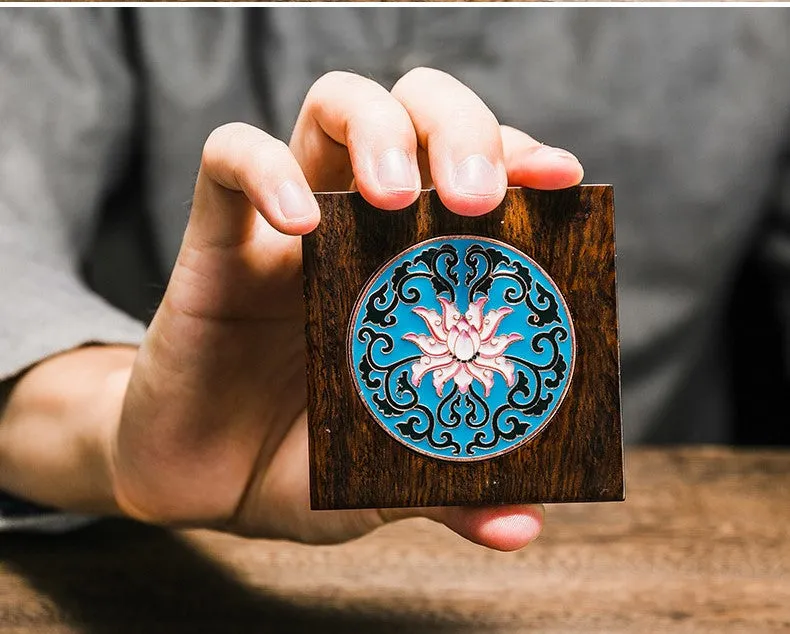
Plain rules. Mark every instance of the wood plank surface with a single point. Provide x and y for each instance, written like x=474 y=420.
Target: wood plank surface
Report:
x=701 y=545
x=576 y=457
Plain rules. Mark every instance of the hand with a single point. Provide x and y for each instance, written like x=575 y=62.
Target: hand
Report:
x=212 y=428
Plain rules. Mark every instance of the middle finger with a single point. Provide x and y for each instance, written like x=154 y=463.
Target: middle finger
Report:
x=461 y=137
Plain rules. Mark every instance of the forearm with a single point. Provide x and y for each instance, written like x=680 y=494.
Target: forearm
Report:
x=57 y=425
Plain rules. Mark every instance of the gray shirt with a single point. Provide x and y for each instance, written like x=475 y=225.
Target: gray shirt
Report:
x=104 y=112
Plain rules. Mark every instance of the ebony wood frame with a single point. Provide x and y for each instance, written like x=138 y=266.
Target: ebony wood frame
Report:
x=578 y=457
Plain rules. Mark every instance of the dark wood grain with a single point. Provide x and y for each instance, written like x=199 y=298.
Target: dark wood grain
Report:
x=576 y=458
x=702 y=545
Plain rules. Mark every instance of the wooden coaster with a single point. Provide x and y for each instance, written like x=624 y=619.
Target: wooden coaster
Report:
x=463 y=361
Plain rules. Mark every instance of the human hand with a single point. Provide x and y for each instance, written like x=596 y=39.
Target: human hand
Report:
x=212 y=428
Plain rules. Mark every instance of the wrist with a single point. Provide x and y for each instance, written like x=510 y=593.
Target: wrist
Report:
x=56 y=430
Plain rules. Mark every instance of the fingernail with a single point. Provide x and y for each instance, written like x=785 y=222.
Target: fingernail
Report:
x=476 y=176
x=395 y=171
x=296 y=203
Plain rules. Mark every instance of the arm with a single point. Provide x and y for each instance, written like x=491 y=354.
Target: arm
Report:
x=53 y=441
x=65 y=110
x=208 y=426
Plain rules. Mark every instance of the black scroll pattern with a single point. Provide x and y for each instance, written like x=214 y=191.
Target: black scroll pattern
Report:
x=511 y=420
x=527 y=400
x=489 y=263
x=394 y=395
x=437 y=264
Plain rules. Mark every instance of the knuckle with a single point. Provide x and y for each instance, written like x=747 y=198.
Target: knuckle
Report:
x=327 y=83
x=219 y=139
x=266 y=158
x=474 y=117
x=330 y=87
x=337 y=78
x=419 y=74
x=226 y=131
x=377 y=114
x=270 y=149
x=233 y=145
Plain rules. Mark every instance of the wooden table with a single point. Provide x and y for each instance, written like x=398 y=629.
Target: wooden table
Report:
x=701 y=545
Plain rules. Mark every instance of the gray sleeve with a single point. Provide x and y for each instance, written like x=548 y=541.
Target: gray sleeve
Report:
x=761 y=325
x=775 y=251
x=66 y=107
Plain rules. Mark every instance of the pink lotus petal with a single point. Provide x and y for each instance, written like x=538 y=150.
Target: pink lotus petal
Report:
x=474 y=315
x=500 y=365
x=484 y=375
x=433 y=320
x=452 y=338
x=428 y=345
x=428 y=364
x=475 y=337
x=491 y=321
x=442 y=375
x=496 y=346
x=450 y=314
x=463 y=379
x=464 y=347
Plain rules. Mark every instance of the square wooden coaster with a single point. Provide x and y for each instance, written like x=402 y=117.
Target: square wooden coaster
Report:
x=463 y=361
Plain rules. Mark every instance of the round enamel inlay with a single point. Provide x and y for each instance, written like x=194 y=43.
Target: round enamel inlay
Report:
x=461 y=347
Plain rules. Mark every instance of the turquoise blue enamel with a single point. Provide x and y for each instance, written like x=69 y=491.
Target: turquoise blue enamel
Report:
x=461 y=347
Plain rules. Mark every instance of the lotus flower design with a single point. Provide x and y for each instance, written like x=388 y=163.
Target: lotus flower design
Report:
x=462 y=347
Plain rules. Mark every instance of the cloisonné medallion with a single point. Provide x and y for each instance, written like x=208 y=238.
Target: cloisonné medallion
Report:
x=461 y=347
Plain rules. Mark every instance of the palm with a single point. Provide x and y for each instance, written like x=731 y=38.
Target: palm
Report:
x=213 y=430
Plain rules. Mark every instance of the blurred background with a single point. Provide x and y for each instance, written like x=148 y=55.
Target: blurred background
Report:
x=104 y=112
x=685 y=111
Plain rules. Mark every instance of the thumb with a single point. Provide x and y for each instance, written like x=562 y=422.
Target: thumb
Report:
x=504 y=528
